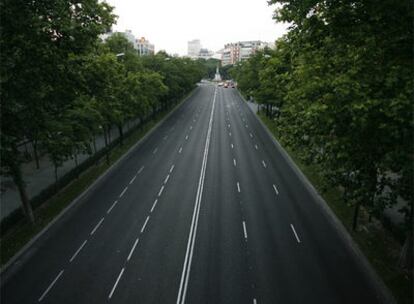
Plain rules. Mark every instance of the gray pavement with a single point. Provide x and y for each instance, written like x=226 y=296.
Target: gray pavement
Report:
x=205 y=210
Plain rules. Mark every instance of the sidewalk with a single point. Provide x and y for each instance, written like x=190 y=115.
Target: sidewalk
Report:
x=38 y=179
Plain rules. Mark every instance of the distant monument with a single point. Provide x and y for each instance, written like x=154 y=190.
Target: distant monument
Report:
x=217 y=76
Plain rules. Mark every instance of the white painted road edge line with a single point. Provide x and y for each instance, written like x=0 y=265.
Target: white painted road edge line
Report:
x=97 y=226
x=116 y=283
x=277 y=191
x=153 y=205
x=172 y=168
x=294 y=231
x=145 y=224
x=194 y=222
x=166 y=179
x=132 y=180
x=181 y=149
x=162 y=188
x=140 y=170
x=51 y=285
x=238 y=187
x=110 y=208
x=123 y=191
x=77 y=251
x=263 y=163
x=132 y=249
x=245 y=230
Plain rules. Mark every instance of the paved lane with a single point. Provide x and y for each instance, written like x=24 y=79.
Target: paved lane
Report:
x=205 y=210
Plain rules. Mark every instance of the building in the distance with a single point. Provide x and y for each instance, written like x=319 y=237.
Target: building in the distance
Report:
x=144 y=47
x=205 y=54
x=194 y=47
x=141 y=45
x=242 y=50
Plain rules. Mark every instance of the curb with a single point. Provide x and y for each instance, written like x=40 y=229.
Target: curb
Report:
x=13 y=259
x=382 y=290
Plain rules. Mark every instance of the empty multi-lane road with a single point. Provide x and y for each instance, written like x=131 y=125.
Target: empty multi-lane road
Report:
x=205 y=210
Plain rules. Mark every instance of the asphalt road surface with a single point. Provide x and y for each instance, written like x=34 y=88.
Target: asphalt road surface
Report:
x=205 y=210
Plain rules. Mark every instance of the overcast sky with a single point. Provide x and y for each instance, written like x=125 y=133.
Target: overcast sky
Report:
x=169 y=24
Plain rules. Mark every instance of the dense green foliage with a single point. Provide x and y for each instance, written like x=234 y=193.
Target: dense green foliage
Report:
x=340 y=87
x=61 y=85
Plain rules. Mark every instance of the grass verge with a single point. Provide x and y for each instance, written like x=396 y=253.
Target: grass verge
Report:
x=22 y=232
x=377 y=244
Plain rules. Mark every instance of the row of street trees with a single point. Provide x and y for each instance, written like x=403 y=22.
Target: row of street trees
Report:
x=61 y=85
x=339 y=86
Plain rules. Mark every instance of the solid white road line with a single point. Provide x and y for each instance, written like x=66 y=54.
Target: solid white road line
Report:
x=181 y=149
x=263 y=163
x=185 y=275
x=140 y=170
x=123 y=191
x=256 y=147
x=238 y=187
x=77 y=251
x=277 y=191
x=294 y=231
x=145 y=224
x=153 y=205
x=166 y=179
x=51 y=285
x=110 y=208
x=172 y=168
x=162 y=188
x=155 y=151
x=245 y=230
x=234 y=162
x=132 y=249
x=132 y=180
x=97 y=226
x=116 y=282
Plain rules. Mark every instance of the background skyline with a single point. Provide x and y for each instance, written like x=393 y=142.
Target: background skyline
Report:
x=170 y=25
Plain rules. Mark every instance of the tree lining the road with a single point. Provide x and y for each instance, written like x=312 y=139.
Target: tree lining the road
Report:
x=61 y=85
x=340 y=87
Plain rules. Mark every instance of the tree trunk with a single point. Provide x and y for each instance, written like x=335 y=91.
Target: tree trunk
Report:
x=106 y=145
x=75 y=157
x=36 y=155
x=94 y=143
x=56 y=174
x=18 y=180
x=109 y=134
x=355 y=219
x=121 y=135
x=406 y=256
